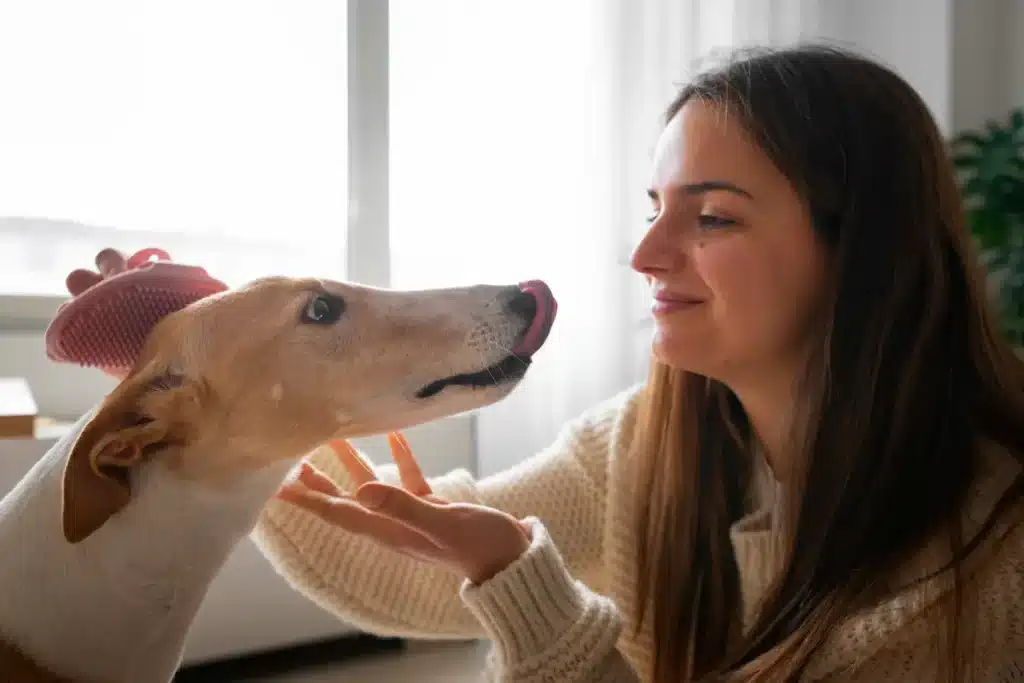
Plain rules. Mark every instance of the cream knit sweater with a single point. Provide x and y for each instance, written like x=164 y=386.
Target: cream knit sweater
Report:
x=556 y=615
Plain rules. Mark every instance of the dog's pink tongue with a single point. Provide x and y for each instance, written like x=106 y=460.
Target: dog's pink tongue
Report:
x=539 y=329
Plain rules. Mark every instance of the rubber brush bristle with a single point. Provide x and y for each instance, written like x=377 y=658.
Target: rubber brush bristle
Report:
x=107 y=325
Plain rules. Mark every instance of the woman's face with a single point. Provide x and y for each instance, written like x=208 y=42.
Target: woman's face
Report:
x=735 y=268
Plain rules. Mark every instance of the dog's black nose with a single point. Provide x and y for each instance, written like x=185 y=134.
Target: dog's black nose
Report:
x=522 y=304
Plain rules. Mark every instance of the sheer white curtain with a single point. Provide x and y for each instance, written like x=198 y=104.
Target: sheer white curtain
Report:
x=521 y=137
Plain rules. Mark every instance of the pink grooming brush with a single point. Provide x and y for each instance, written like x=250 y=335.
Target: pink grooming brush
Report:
x=112 y=313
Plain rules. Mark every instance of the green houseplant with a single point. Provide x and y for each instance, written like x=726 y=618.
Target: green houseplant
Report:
x=991 y=164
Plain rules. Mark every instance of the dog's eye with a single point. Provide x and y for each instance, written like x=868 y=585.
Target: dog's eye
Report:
x=323 y=309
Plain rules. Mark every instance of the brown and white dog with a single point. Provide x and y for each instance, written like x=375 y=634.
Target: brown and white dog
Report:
x=109 y=543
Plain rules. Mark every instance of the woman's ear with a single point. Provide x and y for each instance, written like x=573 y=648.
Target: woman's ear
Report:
x=151 y=409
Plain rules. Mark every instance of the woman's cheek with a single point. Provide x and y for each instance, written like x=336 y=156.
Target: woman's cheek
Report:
x=727 y=268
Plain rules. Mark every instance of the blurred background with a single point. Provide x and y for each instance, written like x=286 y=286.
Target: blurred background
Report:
x=410 y=144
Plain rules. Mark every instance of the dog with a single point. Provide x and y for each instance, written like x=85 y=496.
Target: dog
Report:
x=110 y=541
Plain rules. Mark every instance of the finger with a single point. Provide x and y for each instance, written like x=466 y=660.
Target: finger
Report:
x=354 y=518
x=324 y=506
x=80 y=280
x=110 y=262
x=433 y=520
x=316 y=480
x=357 y=467
x=116 y=373
x=408 y=469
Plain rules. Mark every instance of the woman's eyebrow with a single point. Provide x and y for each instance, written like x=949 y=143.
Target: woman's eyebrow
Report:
x=706 y=186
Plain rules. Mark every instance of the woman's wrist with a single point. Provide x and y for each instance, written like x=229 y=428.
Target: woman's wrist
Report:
x=498 y=564
x=530 y=607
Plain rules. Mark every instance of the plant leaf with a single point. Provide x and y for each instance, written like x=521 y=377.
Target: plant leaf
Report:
x=969 y=139
x=976 y=186
x=1017 y=120
x=966 y=161
x=991 y=165
x=994 y=129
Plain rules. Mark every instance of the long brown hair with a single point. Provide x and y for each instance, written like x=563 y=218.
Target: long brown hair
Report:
x=909 y=372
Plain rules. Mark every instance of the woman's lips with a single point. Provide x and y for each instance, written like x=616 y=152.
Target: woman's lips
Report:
x=672 y=303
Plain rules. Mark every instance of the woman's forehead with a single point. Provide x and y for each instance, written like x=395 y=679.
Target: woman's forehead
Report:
x=704 y=142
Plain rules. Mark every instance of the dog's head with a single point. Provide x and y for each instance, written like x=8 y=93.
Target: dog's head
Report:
x=268 y=372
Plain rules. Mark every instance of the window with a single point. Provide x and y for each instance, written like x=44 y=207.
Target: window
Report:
x=216 y=129
x=248 y=136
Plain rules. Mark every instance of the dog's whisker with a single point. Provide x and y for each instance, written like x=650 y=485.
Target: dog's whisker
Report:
x=507 y=350
x=504 y=374
x=483 y=361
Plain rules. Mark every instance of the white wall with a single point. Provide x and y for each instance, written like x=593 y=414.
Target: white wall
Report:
x=977 y=45
x=965 y=57
x=61 y=391
x=988 y=60
x=913 y=37
x=1013 y=47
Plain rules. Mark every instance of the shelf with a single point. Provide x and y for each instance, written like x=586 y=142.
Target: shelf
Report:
x=47 y=431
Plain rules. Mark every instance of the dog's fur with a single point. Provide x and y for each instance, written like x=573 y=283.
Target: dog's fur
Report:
x=108 y=544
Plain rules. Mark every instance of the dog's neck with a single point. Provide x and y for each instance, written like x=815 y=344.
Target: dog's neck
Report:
x=117 y=606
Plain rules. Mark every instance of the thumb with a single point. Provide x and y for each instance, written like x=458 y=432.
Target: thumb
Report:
x=397 y=503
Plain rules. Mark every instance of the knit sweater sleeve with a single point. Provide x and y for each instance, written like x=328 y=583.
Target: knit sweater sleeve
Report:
x=389 y=594
x=546 y=626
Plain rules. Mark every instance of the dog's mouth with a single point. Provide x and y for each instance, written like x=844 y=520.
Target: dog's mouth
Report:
x=535 y=303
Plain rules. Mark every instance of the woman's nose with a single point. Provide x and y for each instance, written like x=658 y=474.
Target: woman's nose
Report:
x=654 y=253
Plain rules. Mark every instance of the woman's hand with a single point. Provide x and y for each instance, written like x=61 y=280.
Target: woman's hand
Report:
x=474 y=540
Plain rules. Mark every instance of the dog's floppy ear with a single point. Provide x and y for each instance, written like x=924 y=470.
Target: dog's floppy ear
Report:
x=151 y=409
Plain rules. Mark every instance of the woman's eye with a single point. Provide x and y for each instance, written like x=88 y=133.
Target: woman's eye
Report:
x=323 y=309
x=710 y=222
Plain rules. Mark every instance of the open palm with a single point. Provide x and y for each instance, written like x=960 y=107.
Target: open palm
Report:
x=475 y=540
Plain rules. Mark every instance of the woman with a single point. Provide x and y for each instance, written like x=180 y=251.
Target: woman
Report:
x=820 y=480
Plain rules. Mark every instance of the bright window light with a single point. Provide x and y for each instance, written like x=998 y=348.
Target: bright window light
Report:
x=215 y=128
x=496 y=117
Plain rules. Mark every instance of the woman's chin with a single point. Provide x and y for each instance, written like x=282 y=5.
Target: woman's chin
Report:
x=685 y=348
x=674 y=353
